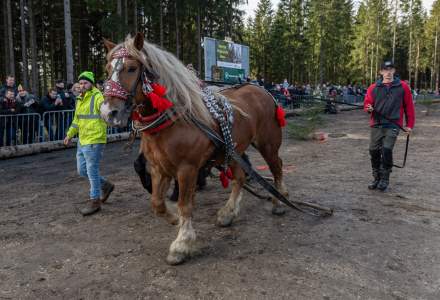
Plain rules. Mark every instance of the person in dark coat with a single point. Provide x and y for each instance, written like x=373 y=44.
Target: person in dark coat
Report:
x=9 y=107
x=388 y=100
x=9 y=85
x=53 y=103
x=29 y=123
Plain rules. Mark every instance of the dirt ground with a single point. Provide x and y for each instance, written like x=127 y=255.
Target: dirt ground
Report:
x=376 y=246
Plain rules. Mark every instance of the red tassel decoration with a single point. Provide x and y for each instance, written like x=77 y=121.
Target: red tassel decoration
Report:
x=158 y=89
x=159 y=102
x=225 y=176
x=229 y=173
x=135 y=116
x=224 y=179
x=281 y=116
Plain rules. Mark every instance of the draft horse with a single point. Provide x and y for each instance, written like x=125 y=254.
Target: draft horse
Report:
x=176 y=148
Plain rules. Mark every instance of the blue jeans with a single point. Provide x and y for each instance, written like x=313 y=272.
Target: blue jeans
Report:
x=88 y=158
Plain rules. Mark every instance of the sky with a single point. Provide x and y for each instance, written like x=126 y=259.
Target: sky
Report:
x=252 y=5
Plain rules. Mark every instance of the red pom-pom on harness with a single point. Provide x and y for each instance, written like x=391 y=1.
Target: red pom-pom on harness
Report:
x=281 y=116
x=158 y=101
x=225 y=176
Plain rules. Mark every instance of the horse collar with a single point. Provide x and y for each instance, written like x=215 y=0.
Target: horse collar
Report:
x=153 y=123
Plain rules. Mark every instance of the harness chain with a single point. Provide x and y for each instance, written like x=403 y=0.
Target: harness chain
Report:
x=221 y=110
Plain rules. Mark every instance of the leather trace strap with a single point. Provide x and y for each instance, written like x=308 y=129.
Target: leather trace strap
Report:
x=308 y=208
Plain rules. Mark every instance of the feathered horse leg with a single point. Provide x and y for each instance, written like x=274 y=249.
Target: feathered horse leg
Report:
x=184 y=245
x=227 y=213
x=160 y=184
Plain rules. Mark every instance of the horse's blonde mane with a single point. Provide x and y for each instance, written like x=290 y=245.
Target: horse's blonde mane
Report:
x=182 y=85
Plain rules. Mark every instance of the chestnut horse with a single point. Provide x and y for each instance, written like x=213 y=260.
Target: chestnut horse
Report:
x=181 y=149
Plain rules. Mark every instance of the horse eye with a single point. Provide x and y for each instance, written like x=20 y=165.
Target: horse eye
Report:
x=131 y=69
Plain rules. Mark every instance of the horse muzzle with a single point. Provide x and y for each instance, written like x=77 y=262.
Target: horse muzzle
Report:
x=114 y=117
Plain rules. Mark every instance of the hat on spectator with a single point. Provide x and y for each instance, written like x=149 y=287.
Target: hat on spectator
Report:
x=87 y=75
x=387 y=64
x=20 y=88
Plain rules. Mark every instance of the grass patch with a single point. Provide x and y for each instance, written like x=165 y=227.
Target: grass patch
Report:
x=427 y=103
x=302 y=126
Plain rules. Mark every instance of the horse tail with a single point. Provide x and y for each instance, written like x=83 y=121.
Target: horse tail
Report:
x=280 y=114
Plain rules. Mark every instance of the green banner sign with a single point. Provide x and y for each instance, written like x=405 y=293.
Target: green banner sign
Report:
x=232 y=75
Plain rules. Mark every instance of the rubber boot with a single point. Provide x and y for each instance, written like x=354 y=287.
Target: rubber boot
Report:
x=376 y=180
x=384 y=179
x=201 y=178
x=375 y=165
x=106 y=188
x=93 y=206
x=387 y=164
x=141 y=169
x=175 y=195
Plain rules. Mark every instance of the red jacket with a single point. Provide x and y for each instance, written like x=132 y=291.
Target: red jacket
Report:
x=406 y=106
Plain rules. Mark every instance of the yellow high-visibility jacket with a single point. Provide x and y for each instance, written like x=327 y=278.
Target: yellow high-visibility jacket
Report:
x=87 y=122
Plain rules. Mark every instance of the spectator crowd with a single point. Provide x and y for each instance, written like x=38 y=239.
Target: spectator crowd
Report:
x=21 y=112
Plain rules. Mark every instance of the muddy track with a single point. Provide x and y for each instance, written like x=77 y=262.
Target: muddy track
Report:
x=376 y=246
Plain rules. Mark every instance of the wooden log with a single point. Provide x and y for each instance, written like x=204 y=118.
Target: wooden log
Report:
x=23 y=150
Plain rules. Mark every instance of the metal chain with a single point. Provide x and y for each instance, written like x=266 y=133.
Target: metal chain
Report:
x=221 y=110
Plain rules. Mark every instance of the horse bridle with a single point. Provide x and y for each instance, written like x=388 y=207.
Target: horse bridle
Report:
x=114 y=88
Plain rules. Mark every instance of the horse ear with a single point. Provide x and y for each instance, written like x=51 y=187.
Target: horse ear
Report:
x=108 y=44
x=139 y=41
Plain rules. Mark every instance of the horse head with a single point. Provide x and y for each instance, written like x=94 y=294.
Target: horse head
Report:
x=123 y=88
x=144 y=80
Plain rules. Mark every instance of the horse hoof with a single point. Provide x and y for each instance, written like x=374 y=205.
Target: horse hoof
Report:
x=278 y=210
x=172 y=219
x=176 y=258
x=225 y=220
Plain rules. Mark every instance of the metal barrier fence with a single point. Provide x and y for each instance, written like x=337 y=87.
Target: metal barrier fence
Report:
x=304 y=101
x=22 y=129
x=427 y=97
x=19 y=129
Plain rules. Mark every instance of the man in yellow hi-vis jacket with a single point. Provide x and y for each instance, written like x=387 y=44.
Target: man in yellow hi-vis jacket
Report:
x=92 y=136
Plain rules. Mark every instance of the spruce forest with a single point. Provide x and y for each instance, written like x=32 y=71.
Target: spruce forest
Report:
x=305 y=41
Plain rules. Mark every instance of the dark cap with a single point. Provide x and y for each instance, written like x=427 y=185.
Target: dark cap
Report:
x=387 y=64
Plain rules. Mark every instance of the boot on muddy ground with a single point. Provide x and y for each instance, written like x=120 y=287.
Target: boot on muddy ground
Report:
x=376 y=180
x=92 y=206
x=384 y=180
x=375 y=156
x=107 y=188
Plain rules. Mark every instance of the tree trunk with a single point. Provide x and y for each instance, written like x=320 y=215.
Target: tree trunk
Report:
x=125 y=14
x=394 y=27
x=34 y=55
x=52 y=61
x=199 y=39
x=161 y=23
x=416 y=69
x=177 y=29
x=4 y=58
x=43 y=60
x=23 y=46
x=410 y=43
x=377 y=48
x=68 y=38
x=135 y=16
x=10 y=40
x=321 y=52
x=434 y=67
x=119 y=8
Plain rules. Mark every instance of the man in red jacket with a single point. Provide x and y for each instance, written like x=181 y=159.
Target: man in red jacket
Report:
x=387 y=100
